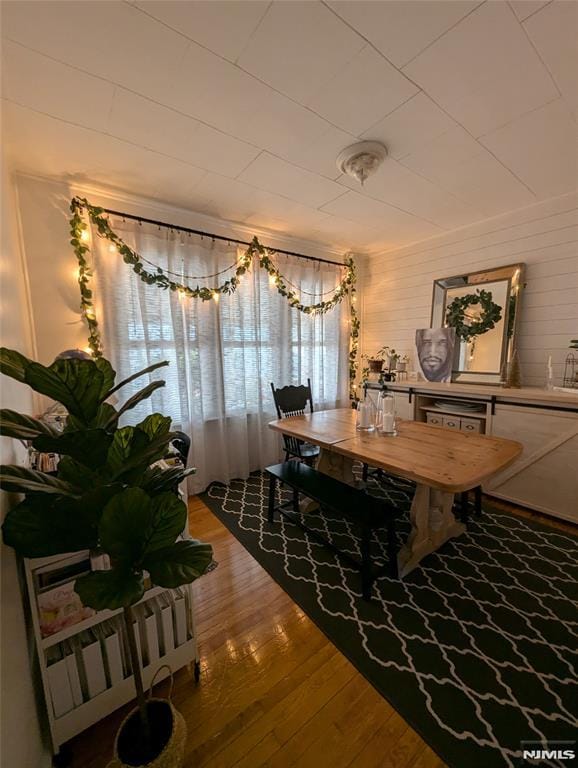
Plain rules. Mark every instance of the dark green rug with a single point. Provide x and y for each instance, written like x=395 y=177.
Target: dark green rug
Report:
x=476 y=649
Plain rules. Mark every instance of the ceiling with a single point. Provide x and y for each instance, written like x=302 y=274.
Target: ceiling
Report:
x=239 y=109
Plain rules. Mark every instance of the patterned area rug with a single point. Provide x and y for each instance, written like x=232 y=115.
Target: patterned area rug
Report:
x=476 y=649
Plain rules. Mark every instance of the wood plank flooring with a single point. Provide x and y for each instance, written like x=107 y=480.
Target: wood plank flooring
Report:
x=274 y=691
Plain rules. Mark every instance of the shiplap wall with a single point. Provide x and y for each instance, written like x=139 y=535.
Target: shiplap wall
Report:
x=396 y=287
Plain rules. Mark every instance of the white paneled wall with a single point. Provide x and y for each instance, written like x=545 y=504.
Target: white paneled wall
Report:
x=397 y=286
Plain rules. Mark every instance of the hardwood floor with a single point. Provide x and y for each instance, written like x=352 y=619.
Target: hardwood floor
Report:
x=274 y=691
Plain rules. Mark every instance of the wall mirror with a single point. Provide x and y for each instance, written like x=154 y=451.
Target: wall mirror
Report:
x=483 y=308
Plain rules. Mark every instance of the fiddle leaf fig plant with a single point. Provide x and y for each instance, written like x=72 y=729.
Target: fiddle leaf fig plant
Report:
x=106 y=492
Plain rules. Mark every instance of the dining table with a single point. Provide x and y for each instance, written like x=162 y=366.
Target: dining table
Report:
x=440 y=461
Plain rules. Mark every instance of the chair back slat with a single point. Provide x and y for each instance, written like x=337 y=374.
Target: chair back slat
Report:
x=291 y=400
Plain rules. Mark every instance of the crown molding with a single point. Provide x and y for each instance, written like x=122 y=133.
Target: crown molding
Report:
x=152 y=208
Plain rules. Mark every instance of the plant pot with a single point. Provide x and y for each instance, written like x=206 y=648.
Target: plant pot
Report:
x=168 y=737
x=375 y=366
x=401 y=366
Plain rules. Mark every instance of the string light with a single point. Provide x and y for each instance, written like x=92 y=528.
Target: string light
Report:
x=85 y=237
x=216 y=297
x=112 y=248
x=272 y=279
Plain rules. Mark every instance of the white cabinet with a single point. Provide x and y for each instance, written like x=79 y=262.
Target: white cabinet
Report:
x=545 y=477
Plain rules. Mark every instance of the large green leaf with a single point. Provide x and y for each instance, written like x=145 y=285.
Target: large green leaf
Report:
x=142 y=394
x=127 y=441
x=134 y=376
x=125 y=525
x=137 y=456
x=22 y=480
x=77 y=474
x=22 y=427
x=77 y=384
x=169 y=517
x=88 y=446
x=178 y=564
x=155 y=425
x=13 y=364
x=156 y=480
x=108 y=376
x=117 y=588
x=40 y=527
x=106 y=417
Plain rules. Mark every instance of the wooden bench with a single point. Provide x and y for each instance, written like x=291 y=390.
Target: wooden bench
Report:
x=342 y=500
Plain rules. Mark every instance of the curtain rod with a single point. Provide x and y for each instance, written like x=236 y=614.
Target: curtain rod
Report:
x=141 y=219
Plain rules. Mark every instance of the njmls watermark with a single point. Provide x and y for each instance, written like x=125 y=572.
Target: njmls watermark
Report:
x=539 y=753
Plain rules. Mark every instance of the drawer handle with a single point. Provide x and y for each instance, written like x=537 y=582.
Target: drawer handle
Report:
x=469 y=426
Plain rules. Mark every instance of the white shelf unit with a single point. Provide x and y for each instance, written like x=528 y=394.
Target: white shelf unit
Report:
x=66 y=725
x=428 y=410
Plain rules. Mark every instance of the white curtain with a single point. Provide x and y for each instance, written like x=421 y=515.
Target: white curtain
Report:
x=222 y=355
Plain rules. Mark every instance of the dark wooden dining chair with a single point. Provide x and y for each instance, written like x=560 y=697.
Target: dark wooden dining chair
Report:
x=295 y=401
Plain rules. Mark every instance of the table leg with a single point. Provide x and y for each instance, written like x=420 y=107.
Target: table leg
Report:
x=334 y=465
x=433 y=523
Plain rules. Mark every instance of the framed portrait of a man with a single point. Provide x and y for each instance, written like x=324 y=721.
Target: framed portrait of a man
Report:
x=435 y=352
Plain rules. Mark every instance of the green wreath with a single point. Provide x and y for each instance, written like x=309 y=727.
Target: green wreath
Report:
x=456 y=314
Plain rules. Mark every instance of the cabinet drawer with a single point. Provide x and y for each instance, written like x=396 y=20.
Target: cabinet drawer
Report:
x=471 y=425
x=435 y=419
x=451 y=422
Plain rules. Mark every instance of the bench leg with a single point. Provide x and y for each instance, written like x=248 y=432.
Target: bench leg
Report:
x=365 y=472
x=272 y=494
x=366 y=575
x=464 y=509
x=295 y=501
x=478 y=500
x=392 y=550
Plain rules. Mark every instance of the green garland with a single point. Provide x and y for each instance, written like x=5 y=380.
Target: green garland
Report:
x=456 y=314
x=160 y=278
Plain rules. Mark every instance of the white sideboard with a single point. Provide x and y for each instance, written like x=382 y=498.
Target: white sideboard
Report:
x=545 y=477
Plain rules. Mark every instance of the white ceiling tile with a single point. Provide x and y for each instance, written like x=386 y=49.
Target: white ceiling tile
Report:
x=485 y=183
x=366 y=210
x=401 y=29
x=149 y=124
x=275 y=175
x=364 y=91
x=113 y=40
x=412 y=124
x=524 y=8
x=219 y=93
x=224 y=27
x=281 y=126
x=541 y=148
x=44 y=145
x=395 y=184
x=320 y=155
x=438 y=157
x=484 y=71
x=33 y=80
x=298 y=47
x=554 y=32
x=145 y=122
x=463 y=167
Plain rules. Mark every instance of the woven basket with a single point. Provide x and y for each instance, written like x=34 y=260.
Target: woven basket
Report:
x=173 y=754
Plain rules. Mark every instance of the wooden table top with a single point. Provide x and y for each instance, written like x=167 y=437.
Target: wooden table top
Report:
x=447 y=459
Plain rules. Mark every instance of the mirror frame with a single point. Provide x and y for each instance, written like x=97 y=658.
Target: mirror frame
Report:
x=514 y=275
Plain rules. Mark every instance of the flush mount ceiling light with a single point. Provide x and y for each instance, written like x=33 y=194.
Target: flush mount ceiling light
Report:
x=362 y=159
